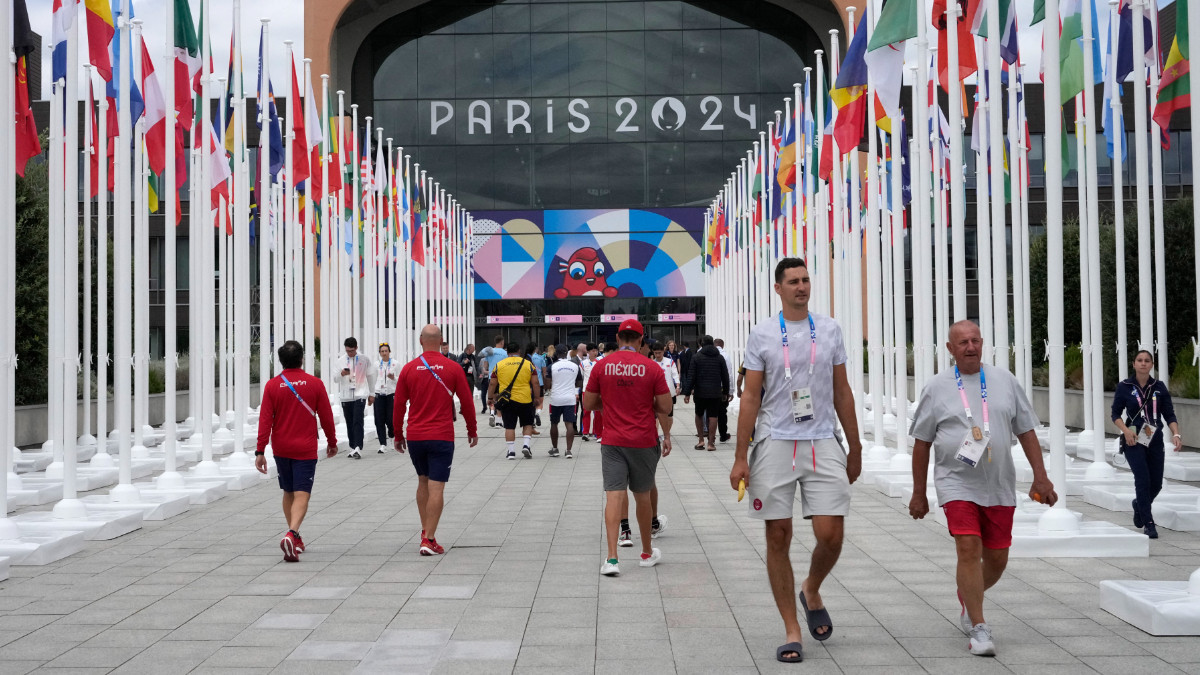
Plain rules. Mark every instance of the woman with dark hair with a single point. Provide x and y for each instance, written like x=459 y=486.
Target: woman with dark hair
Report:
x=1140 y=406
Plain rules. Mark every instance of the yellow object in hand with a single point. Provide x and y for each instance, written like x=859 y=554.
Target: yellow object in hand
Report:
x=741 y=489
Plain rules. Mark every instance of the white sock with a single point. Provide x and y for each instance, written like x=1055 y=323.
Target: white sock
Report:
x=509 y=444
x=528 y=440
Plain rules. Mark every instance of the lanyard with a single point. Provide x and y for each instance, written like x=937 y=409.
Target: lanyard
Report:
x=439 y=378
x=384 y=366
x=353 y=371
x=966 y=405
x=626 y=349
x=1153 y=402
x=812 y=357
x=298 y=398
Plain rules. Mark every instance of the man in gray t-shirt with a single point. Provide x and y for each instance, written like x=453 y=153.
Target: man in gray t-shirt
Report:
x=976 y=483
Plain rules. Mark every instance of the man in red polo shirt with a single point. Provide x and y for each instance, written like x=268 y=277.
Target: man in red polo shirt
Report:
x=292 y=403
x=430 y=382
x=631 y=390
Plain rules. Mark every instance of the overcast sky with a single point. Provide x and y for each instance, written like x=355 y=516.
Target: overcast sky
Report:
x=287 y=23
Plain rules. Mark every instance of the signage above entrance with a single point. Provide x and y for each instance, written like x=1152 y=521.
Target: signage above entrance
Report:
x=506 y=318
x=617 y=318
x=564 y=318
x=676 y=317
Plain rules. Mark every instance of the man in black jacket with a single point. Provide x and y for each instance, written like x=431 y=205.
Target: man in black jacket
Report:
x=708 y=381
x=684 y=361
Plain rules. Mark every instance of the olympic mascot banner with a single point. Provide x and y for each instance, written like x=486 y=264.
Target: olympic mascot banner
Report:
x=620 y=253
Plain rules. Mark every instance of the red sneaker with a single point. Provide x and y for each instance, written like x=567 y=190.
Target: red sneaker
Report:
x=288 y=545
x=437 y=548
x=429 y=548
x=299 y=543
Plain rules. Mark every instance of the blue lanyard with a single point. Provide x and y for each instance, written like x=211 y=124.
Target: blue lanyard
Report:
x=812 y=334
x=298 y=398
x=982 y=392
x=439 y=378
x=1154 y=400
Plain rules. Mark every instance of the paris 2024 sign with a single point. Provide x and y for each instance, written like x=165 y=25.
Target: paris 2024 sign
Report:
x=619 y=253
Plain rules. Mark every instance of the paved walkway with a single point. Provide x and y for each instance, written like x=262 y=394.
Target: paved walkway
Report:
x=518 y=589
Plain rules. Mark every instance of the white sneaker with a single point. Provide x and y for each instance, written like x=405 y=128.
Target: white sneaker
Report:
x=662 y=527
x=492 y=420
x=355 y=454
x=653 y=558
x=382 y=450
x=609 y=569
x=981 y=641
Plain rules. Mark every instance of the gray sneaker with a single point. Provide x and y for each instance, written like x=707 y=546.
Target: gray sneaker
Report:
x=981 y=641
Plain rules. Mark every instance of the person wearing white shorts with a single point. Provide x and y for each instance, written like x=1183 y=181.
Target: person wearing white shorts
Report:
x=796 y=391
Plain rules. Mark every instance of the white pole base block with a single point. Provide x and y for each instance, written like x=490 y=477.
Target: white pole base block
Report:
x=86 y=439
x=33 y=494
x=1182 y=466
x=901 y=461
x=153 y=507
x=151 y=437
x=95 y=525
x=1099 y=471
x=1120 y=499
x=124 y=493
x=198 y=492
x=139 y=452
x=1059 y=533
x=239 y=460
x=1156 y=607
x=207 y=469
x=169 y=480
x=893 y=485
x=3 y=568
x=102 y=459
x=29 y=462
x=38 y=548
x=218 y=447
x=14 y=481
x=222 y=435
x=69 y=508
x=878 y=453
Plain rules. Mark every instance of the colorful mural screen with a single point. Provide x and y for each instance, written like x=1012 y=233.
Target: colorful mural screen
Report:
x=620 y=253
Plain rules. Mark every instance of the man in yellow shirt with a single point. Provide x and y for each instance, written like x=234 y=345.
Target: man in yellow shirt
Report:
x=516 y=378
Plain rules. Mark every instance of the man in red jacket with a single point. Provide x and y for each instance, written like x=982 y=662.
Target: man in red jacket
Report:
x=430 y=382
x=292 y=404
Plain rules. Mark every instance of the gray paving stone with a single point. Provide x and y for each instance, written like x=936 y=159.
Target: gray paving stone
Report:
x=305 y=621
x=324 y=650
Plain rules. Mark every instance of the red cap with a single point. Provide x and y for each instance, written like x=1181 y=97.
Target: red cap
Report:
x=633 y=325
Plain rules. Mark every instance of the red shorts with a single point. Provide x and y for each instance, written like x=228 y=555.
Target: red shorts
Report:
x=992 y=524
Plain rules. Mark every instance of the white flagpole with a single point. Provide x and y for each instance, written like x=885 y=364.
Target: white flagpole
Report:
x=356 y=325
x=54 y=356
x=921 y=224
x=170 y=478
x=393 y=337
x=958 y=232
x=999 y=265
x=1020 y=339
x=8 y=266
x=983 y=243
x=70 y=280
x=241 y=254
x=1194 y=115
x=122 y=281
x=102 y=458
x=262 y=233
x=206 y=352
x=85 y=437
x=1140 y=154
x=940 y=244
x=899 y=318
x=1162 y=366
x=1118 y=177
x=310 y=243
x=874 y=281
x=289 y=225
x=223 y=279
x=1057 y=518
x=141 y=263
x=329 y=227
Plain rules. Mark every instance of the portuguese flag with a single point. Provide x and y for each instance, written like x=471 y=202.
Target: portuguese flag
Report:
x=1175 y=88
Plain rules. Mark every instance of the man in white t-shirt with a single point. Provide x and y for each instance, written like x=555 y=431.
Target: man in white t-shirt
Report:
x=796 y=391
x=560 y=380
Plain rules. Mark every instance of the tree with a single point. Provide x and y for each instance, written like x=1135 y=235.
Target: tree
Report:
x=32 y=289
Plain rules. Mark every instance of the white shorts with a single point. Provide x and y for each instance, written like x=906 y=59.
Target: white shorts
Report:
x=819 y=467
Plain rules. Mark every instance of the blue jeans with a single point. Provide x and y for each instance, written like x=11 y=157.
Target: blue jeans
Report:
x=1146 y=463
x=354 y=412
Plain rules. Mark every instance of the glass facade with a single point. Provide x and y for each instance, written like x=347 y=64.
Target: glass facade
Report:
x=553 y=105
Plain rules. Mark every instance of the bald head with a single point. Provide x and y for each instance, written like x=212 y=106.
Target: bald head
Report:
x=431 y=338
x=965 y=343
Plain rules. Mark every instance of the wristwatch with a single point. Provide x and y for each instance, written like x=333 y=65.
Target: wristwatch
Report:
x=259 y=453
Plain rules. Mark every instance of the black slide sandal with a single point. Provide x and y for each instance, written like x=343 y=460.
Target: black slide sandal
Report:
x=817 y=618
x=790 y=647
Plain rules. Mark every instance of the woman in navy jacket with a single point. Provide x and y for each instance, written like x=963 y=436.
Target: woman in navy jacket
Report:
x=1140 y=406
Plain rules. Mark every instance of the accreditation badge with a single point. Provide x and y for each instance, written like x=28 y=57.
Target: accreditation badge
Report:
x=1146 y=434
x=802 y=405
x=971 y=450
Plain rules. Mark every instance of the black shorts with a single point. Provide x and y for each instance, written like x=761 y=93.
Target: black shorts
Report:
x=515 y=414
x=709 y=407
x=432 y=459
x=296 y=475
x=564 y=412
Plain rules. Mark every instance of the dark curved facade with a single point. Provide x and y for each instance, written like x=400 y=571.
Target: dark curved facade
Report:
x=523 y=104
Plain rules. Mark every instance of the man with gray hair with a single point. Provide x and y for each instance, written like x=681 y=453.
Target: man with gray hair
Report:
x=430 y=383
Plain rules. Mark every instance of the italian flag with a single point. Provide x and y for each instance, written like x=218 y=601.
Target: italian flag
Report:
x=187 y=61
x=1175 y=88
x=156 y=114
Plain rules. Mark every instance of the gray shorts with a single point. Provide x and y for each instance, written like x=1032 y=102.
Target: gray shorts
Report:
x=628 y=468
x=819 y=467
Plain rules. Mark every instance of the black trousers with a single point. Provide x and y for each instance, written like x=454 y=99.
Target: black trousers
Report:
x=384 y=405
x=354 y=412
x=1146 y=463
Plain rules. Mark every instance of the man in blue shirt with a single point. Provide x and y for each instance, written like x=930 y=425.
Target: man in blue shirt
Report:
x=539 y=366
x=488 y=358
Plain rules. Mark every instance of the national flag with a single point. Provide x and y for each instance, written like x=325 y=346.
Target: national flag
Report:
x=785 y=176
x=315 y=132
x=1070 y=54
x=1111 y=90
x=187 y=62
x=300 y=148
x=100 y=36
x=266 y=112
x=152 y=190
x=136 y=104
x=1175 y=88
x=849 y=92
x=27 y=142
x=1009 y=50
x=826 y=159
x=1039 y=12
x=63 y=18
x=156 y=115
x=897 y=22
x=231 y=88
x=887 y=70
x=418 y=214
x=966 y=45
x=1125 y=40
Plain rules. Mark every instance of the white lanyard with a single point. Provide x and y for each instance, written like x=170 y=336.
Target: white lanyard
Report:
x=812 y=356
x=966 y=405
